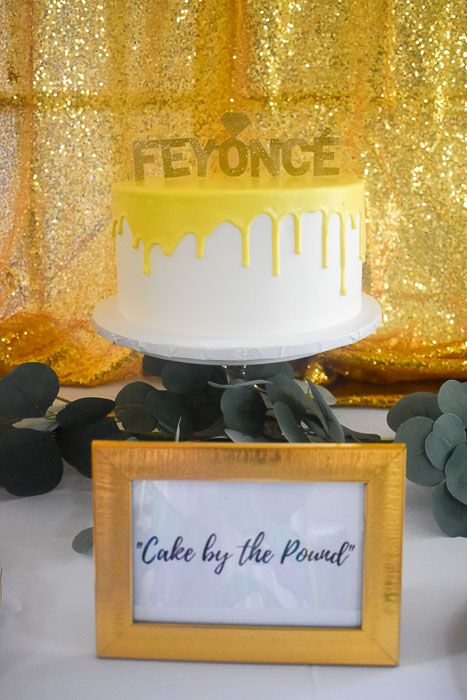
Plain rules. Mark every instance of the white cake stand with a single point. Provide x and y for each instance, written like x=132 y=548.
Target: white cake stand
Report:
x=246 y=351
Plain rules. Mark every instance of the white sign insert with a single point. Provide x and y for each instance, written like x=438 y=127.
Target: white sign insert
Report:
x=252 y=553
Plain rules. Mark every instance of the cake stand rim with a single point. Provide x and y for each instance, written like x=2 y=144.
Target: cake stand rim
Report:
x=112 y=326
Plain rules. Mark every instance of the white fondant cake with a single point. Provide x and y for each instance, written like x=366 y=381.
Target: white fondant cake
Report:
x=232 y=258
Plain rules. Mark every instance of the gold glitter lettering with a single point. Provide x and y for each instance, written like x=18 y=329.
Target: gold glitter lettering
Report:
x=289 y=167
x=320 y=155
x=242 y=157
x=168 y=157
x=202 y=154
x=140 y=158
x=260 y=155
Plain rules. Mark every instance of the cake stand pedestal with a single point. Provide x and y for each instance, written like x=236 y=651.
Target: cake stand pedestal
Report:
x=242 y=351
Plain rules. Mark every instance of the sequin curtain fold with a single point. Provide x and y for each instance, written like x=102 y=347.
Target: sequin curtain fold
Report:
x=79 y=81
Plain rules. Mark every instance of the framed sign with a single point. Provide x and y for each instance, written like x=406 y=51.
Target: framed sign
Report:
x=248 y=553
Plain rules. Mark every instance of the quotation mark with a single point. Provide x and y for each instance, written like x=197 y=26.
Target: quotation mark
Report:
x=351 y=547
x=139 y=545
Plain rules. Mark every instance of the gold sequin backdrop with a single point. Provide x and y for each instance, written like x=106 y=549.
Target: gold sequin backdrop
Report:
x=80 y=80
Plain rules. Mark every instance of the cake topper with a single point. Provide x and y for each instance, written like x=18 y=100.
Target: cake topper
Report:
x=234 y=156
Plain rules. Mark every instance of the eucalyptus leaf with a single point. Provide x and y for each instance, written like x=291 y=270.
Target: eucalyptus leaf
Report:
x=169 y=410
x=81 y=412
x=238 y=437
x=214 y=430
x=30 y=462
x=449 y=513
x=205 y=412
x=268 y=371
x=413 y=433
x=243 y=410
x=266 y=400
x=324 y=391
x=131 y=409
x=422 y=403
x=288 y=423
x=83 y=541
x=52 y=411
x=285 y=389
x=75 y=443
x=356 y=436
x=327 y=395
x=452 y=398
x=456 y=473
x=288 y=391
x=316 y=427
x=155 y=436
x=183 y=378
x=38 y=423
x=28 y=391
x=153 y=366
x=333 y=427
x=447 y=433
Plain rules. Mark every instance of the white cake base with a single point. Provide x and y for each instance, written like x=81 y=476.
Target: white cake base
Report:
x=212 y=351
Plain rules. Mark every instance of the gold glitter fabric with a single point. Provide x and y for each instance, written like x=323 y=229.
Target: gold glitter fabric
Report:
x=80 y=81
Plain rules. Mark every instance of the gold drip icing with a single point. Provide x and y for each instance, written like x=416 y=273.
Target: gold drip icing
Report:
x=324 y=239
x=362 y=237
x=200 y=247
x=245 y=233
x=162 y=212
x=297 y=234
x=342 y=251
x=275 y=247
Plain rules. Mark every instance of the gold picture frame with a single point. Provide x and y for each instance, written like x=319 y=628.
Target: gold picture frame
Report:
x=381 y=467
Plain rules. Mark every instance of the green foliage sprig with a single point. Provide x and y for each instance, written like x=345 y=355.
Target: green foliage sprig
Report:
x=257 y=403
x=434 y=429
x=36 y=435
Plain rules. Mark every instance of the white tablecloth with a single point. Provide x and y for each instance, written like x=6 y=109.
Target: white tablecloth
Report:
x=47 y=617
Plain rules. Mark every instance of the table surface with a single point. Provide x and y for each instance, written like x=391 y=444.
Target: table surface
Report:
x=47 y=647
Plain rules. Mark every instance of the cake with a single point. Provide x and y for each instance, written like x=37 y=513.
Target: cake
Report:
x=237 y=259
